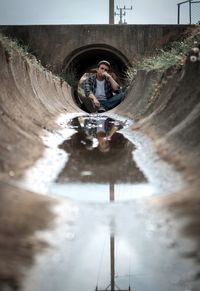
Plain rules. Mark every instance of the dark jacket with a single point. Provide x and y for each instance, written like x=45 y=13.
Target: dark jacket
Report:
x=90 y=85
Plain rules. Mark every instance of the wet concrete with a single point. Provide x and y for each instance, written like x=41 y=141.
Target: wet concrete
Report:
x=107 y=233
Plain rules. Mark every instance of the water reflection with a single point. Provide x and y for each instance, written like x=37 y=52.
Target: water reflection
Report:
x=99 y=153
x=109 y=246
x=112 y=285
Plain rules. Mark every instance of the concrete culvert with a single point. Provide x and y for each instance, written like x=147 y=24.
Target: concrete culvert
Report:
x=83 y=63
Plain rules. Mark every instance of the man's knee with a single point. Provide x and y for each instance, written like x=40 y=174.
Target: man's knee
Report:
x=89 y=104
x=119 y=96
x=122 y=96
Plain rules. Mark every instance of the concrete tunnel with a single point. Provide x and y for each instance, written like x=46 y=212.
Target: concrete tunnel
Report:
x=86 y=59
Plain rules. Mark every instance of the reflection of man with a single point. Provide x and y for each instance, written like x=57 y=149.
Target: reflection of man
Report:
x=99 y=131
x=102 y=92
x=103 y=142
x=85 y=155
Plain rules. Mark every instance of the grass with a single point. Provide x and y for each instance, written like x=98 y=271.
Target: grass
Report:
x=12 y=46
x=173 y=54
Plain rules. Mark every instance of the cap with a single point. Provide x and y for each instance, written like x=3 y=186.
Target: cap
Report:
x=104 y=62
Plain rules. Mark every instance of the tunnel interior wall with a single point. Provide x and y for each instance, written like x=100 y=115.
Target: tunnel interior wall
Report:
x=30 y=100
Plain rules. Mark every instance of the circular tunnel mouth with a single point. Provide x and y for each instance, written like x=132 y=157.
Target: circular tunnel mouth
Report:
x=85 y=60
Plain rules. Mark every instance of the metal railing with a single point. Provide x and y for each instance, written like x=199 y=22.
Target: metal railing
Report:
x=189 y=11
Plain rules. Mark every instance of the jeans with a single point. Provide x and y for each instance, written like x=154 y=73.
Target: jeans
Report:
x=113 y=101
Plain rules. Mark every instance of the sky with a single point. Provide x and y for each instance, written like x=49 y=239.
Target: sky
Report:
x=16 y=12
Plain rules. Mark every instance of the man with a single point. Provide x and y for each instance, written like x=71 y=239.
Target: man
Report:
x=102 y=92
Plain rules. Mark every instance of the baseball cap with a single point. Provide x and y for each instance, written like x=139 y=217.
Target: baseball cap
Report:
x=104 y=62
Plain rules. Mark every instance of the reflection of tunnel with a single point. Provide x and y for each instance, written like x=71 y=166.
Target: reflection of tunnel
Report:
x=87 y=57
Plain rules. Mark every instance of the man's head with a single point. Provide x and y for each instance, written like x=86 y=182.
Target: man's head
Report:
x=104 y=62
x=103 y=66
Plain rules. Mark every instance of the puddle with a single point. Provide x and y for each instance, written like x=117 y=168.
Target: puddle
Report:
x=76 y=158
x=106 y=236
x=95 y=246
x=101 y=157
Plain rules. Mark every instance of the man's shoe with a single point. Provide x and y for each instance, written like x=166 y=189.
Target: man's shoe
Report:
x=90 y=106
x=101 y=109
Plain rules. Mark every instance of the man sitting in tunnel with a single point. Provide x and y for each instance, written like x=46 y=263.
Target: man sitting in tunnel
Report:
x=102 y=92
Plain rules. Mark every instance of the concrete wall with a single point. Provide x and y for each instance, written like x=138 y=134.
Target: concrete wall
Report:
x=58 y=45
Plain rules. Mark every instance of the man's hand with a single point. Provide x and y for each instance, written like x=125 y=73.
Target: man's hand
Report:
x=96 y=102
x=106 y=75
x=114 y=84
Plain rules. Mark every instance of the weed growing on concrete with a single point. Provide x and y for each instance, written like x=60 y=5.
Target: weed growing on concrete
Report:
x=12 y=46
x=174 y=54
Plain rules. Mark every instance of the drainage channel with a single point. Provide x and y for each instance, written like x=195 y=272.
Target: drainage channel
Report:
x=106 y=236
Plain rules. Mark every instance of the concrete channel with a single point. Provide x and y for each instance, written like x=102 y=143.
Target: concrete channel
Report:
x=107 y=236
x=86 y=209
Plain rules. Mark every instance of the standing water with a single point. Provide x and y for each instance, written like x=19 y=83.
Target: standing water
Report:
x=107 y=237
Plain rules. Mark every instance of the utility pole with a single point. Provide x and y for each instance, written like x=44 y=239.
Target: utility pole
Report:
x=122 y=12
x=111 y=11
x=190 y=11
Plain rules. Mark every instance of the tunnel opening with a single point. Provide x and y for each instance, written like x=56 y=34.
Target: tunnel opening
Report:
x=83 y=62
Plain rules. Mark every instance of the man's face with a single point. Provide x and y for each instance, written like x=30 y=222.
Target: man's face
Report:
x=101 y=70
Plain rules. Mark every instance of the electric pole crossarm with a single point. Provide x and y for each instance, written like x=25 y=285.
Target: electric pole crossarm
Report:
x=122 y=12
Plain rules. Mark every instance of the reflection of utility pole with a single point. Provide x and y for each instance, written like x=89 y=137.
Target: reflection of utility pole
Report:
x=112 y=262
x=111 y=11
x=112 y=192
x=122 y=12
x=112 y=284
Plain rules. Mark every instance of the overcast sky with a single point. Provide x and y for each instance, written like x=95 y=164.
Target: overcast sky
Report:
x=86 y=11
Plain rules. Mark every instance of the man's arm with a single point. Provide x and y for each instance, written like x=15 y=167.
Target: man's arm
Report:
x=93 y=97
x=88 y=87
x=88 y=91
x=115 y=86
